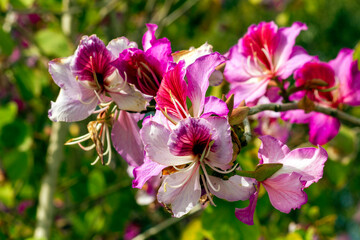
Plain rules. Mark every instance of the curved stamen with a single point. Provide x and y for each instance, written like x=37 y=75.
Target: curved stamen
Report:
x=96 y=160
x=221 y=171
x=108 y=146
x=101 y=109
x=184 y=169
x=182 y=183
x=86 y=103
x=207 y=191
x=208 y=179
x=78 y=139
x=267 y=55
x=88 y=148
x=152 y=72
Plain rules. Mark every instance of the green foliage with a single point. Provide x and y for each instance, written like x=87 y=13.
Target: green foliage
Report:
x=220 y=222
x=97 y=202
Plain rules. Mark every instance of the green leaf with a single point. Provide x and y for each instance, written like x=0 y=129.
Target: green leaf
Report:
x=17 y=164
x=221 y=223
x=7 y=195
x=27 y=82
x=8 y=113
x=264 y=171
x=356 y=55
x=96 y=182
x=14 y=134
x=53 y=43
x=6 y=43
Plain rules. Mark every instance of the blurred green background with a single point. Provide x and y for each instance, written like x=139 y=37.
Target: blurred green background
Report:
x=97 y=202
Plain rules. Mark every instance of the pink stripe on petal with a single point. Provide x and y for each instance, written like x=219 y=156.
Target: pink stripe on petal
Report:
x=173 y=91
x=190 y=137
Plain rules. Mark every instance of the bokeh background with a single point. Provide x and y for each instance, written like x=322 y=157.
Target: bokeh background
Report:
x=97 y=202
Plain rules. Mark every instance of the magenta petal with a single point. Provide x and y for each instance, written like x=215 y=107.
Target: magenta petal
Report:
x=234 y=189
x=322 y=128
x=272 y=150
x=144 y=172
x=181 y=190
x=286 y=191
x=125 y=136
x=249 y=92
x=91 y=57
x=298 y=57
x=149 y=36
x=190 y=137
x=297 y=116
x=348 y=74
x=198 y=75
x=246 y=215
x=214 y=106
x=308 y=162
x=235 y=70
x=173 y=91
x=286 y=43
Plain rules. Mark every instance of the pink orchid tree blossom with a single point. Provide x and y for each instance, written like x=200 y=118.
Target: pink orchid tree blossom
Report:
x=343 y=87
x=145 y=68
x=301 y=167
x=264 y=53
x=186 y=144
x=87 y=79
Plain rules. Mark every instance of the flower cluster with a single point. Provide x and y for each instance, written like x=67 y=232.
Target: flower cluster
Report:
x=186 y=151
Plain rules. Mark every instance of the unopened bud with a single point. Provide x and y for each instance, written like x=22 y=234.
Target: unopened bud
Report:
x=238 y=115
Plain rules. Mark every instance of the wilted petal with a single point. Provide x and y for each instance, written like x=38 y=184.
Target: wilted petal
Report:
x=322 y=128
x=272 y=150
x=125 y=136
x=286 y=191
x=246 y=215
x=198 y=75
x=309 y=162
x=155 y=138
x=144 y=172
x=182 y=199
x=234 y=189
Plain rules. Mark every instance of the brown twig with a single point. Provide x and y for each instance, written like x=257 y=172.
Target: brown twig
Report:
x=342 y=116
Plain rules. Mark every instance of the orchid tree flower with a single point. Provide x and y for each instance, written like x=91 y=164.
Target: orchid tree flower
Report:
x=189 y=56
x=145 y=68
x=300 y=168
x=263 y=57
x=184 y=145
x=339 y=84
x=87 y=79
